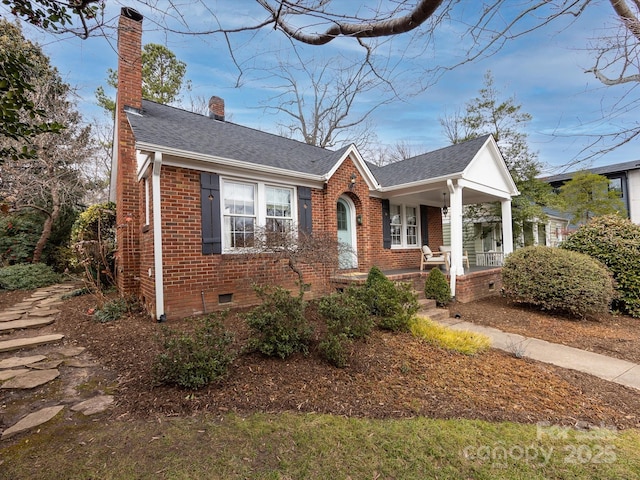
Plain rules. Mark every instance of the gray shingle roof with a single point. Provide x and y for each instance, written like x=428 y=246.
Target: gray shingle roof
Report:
x=445 y=161
x=171 y=127
x=604 y=170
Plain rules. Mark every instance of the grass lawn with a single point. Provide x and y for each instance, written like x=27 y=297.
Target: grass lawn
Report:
x=310 y=446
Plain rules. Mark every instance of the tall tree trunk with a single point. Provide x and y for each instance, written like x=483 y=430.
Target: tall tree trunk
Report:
x=48 y=225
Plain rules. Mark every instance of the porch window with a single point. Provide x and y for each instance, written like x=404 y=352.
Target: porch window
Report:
x=404 y=226
x=249 y=205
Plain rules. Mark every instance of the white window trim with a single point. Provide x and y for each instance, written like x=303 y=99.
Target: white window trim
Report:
x=404 y=225
x=260 y=206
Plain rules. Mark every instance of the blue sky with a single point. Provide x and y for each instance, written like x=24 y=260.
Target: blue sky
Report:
x=544 y=70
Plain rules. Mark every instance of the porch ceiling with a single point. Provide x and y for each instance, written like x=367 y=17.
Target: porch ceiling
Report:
x=432 y=195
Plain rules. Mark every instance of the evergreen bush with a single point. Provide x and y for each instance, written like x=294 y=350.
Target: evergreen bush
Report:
x=279 y=327
x=393 y=305
x=347 y=313
x=194 y=360
x=437 y=288
x=557 y=280
x=615 y=242
x=27 y=276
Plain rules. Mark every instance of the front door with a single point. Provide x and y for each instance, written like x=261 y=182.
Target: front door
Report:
x=346 y=234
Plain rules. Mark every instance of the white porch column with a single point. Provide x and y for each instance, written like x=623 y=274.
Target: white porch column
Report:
x=507 y=229
x=536 y=238
x=455 y=268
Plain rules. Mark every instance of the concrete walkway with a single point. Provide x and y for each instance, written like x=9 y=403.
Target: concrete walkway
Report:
x=608 y=368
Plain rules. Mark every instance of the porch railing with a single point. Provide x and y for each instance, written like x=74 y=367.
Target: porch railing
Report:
x=489 y=259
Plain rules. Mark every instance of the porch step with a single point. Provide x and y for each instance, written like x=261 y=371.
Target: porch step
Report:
x=428 y=308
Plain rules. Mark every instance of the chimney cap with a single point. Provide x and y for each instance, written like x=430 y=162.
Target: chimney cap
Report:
x=131 y=13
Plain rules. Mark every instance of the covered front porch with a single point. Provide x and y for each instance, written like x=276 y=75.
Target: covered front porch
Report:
x=470 y=173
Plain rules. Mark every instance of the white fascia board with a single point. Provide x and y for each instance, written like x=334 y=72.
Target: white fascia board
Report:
x=494 y=192
x=361 y=166
x=199 y=161
x=413 y=187
x=144 y=159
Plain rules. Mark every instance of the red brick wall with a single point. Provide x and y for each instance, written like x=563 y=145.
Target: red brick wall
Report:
x=127 y=191
x=476 y=285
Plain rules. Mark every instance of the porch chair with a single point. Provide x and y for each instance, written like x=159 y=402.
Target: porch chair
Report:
x=427 y=257
x=447 y=252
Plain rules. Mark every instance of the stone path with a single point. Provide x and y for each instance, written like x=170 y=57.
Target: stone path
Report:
x=25 y=371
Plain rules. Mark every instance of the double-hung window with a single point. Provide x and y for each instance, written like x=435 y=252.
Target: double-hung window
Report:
x=250 y=207
x=404 y=226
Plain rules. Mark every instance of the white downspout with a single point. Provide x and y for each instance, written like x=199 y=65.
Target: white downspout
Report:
x=157 y=237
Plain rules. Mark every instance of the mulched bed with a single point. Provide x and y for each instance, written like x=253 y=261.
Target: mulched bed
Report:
x=388 y=376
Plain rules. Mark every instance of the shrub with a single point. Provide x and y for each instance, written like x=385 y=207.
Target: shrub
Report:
x=393 y=305
x=27 y=276
x=467 y=343
x=93 y=242
x=115 y=309
x=557 y=280
x=334 y=349
x=279 y=327
x=437 y=288
x=347 y=313
x=615 y=241
x=193 y=360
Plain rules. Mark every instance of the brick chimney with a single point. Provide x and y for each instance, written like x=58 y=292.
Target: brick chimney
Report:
x=216 y=108
x=129 y=96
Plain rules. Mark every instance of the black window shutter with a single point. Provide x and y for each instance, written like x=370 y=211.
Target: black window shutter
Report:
x=424 y=224
x=210 y=211
x=304 y=210
x=386 y=224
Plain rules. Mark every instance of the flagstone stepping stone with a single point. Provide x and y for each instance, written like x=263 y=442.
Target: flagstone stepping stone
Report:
x=26 y=323
x=43 y=312
x=18 y=343
x=48 y=365
x=70 y=351
x=20 y=361
x=21 y=305
x=7 y=374
x=93 y=405
x=10 y=316
x=49 y=301
x=32 y=420
x=76 y=363
x=33 y=379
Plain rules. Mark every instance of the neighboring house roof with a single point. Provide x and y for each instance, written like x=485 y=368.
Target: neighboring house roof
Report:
x=605 y=170
x=446 y=161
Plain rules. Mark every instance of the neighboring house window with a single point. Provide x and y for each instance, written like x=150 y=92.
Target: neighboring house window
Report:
x=247 y=206
x=615 y=184
x=404 y=226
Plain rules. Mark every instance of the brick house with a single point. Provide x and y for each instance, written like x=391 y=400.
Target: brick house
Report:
x=191 y=188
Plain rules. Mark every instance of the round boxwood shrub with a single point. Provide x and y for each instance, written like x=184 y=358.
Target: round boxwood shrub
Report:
x=437 y=288
x=615 y=241
x=557 y=280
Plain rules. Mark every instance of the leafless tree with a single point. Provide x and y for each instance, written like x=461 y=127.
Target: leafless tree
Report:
x=53 y=179
x=322 y=102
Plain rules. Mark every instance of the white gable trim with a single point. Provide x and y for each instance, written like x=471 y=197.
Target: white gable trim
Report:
x=491 y=147
x=361 y=166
